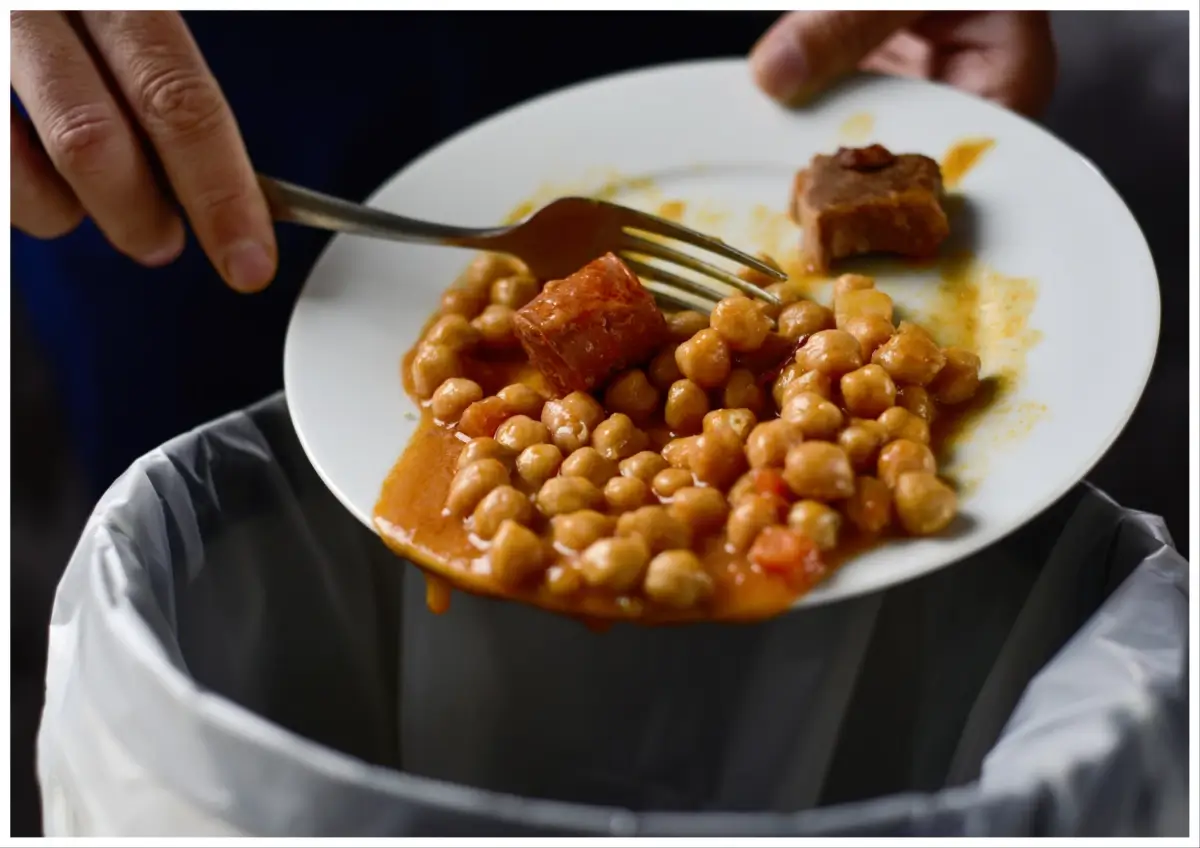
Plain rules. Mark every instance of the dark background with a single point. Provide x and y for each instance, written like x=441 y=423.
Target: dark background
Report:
x=1122 y=101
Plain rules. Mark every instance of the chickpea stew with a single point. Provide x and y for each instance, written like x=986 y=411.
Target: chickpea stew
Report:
x=583 y=452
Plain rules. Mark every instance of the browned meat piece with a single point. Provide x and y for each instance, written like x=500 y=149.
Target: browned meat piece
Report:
x=868 y=200
x=582 y=330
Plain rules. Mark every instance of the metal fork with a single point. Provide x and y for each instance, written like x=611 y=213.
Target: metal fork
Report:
x=557 y=240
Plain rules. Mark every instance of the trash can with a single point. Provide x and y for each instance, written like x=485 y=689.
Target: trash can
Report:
x=232 y=653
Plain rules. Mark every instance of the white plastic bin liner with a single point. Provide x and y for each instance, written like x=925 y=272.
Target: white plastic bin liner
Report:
x=231 y=653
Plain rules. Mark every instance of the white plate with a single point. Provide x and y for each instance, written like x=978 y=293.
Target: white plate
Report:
x=702 y=133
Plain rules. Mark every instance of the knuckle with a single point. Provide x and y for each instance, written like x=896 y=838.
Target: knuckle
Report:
x=181 y=103
x=81 y=140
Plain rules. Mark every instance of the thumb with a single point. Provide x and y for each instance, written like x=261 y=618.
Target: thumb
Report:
x=803 y=52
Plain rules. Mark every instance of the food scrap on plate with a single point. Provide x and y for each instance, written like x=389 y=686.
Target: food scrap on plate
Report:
x=584 y=452
x=869 y=200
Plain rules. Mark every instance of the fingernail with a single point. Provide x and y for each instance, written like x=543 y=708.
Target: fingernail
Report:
x=248 y=266
x=780 y=68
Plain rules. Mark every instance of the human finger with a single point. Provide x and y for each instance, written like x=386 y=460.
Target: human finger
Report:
x=88 y=139
x=175 y=98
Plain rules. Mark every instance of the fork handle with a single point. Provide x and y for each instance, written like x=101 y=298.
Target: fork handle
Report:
x=297 y=205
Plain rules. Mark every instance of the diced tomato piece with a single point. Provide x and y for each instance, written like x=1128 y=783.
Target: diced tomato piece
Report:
x=483 y=417
x=770 y=482
x=792 y=555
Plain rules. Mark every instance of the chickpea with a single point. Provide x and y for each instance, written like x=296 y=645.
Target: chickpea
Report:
x=704 y=359
x=871 y=332
x=661 y=530
x=899 y=423
x=917 y=400
x=516 y=553
x=590 y=465
x=643 y=465
x=678 y=452
x=743 y=392
x=910 y=356
x=484 y=417
x=677 y=579
x=626 y=493
x=794 y=379
x=433 y=365
x=474 y=481
x=786 y=294
x=538 y=463
x=861 y=442
x=868 y=391
x=718 y=459
x=495 y=326
x=768 y=443
x=454 y=331
x=463 y=301
x=486 y=268
x=924 y=504
x=522 y=399
x=663 y=370
x=740 y=421
x=782 y=385
x=702 y=509
x=670 y=480
x=482 y=448
x=501 y=504
x=563 y=580
x=819 y=470
x=571 y=420
x=816 y=382
x=903 y=455
x=453 y=397
x=514 y=291
x=812 y=416
x=847 y=283
x=854 y=304
x=832 y=352
x=818 y=522
x=870 y=507
x=681 y=326
x=576 y=531
x=616 y=564
x=686 y=407
x=617 y=438
x=567 y=494
x=786 y=291
x=632 y=394
x=741 y=322
x=958 y=380
x=749 y=517
x=744 y=487
x=803 y=318
x=520 y=432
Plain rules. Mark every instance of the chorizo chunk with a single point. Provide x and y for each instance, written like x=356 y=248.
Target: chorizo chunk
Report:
x=582 y=330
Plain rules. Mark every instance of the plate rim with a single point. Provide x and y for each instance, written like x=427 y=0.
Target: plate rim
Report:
x=819 y=596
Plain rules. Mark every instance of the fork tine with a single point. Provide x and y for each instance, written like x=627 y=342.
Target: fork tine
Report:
x=661 y=251
x=662 y=227
x=662 y=275
x=667 y=295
